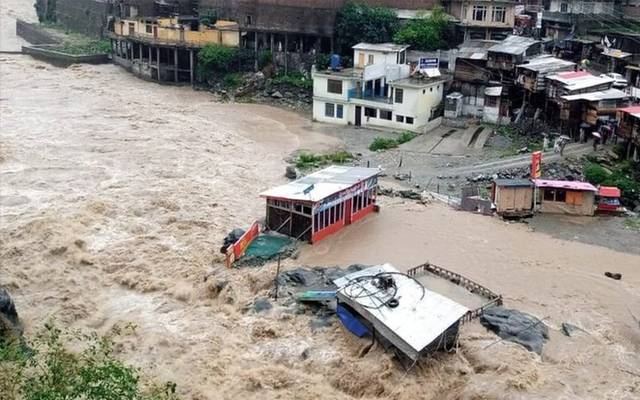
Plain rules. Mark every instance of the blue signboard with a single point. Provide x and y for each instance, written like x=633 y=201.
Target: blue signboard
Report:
x=429 y=63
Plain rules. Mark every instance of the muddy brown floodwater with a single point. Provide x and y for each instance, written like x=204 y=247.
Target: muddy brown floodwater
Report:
x=114 y=197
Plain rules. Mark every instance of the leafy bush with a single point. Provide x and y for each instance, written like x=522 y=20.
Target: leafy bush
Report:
x=405 y=137
x=232 y=80
x=48 y=370
x=595 y=174
x=361 y=23
x=295 y=79
x=215 y=58
x=264 y=58
x=322 y=61
x=380 y=143
x=308 y=160
x=426 y=33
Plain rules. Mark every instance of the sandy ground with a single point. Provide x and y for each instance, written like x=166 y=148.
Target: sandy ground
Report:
x=114 y=197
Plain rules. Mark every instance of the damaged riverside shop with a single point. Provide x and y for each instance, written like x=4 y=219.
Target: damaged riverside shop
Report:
x=322 y=203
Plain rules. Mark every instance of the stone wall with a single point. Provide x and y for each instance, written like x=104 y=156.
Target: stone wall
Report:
x=49 y=54
x=85 y=16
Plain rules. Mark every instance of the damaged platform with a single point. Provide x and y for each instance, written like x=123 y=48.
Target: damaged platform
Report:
x=400 y=308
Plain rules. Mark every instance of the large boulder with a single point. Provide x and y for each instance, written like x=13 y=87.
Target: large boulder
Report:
x=9 y=322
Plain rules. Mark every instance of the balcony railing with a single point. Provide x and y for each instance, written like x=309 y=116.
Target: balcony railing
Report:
x=368 y=95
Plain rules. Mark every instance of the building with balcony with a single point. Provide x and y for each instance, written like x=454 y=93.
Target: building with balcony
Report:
x=378 y=91
x=165 y=49
x=483 y=19
x=562 y=17
x=629 y=129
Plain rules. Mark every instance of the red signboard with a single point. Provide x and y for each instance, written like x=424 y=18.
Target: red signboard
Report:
x=536 y=164
x=236 y=250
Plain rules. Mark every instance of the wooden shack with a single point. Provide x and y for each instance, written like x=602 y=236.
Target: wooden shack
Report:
x=565 y=197
x=513 y=197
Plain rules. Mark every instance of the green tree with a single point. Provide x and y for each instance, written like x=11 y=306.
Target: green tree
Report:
x=361 y=23
x=430 y=32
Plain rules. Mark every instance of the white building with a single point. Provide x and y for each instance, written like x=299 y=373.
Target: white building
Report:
x=377 y=91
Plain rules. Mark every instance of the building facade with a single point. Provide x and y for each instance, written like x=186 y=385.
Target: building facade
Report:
x=377 y=91
x=483 y=19
x=165 y=49
x=562 y=17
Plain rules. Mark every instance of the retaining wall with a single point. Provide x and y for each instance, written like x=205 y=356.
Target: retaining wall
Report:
x=49 y=54
x=34 y=34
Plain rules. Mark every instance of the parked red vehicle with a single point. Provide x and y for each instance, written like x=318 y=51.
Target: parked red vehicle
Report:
x=608 y=199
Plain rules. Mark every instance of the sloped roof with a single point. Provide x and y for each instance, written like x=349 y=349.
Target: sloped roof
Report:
x=383 y=47
x=321 y=184
x=546 y=63
x=609 y=94
x=579 y=79
x=571 y=185
x=513 y=45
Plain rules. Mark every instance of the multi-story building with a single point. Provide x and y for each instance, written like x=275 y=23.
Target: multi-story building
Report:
x=561 y=17
x=378 y=91
x=165 y=49
x=483 y=19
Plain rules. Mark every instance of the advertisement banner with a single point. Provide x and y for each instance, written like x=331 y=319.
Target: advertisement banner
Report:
x=429 y=63
x=536 y=164
x=236 y=250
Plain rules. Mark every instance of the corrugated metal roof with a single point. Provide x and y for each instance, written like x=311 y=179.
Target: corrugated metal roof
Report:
x=547 y=64
x=323 y=183
x=514 y=182
x=579 y=80
x=383 y=47
x=571 y=185
x=513 y=45
x=493 y=91
x=417 y=321
x=609 y=94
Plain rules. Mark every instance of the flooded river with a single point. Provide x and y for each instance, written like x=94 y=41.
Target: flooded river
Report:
x=115 y=194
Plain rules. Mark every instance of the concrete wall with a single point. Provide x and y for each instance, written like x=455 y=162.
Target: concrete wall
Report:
x=85 y=16
x=33 y=34
x=166 y=32
x=361 y=58
x=319 y=112
x=50 y=55
x=582 y=7
x=465 y=14
x=555 y=207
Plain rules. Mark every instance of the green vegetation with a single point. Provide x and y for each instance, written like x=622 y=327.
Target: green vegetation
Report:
x=633 y=223
x=361 y=23
x=310 y=160
x=264 y=58
x=623 y=175
x=380 y=143
x=87 y=46
x=295 y=79
x=214 y=59
x=431 y=32
x=322 y=61
x=45 y=369
x=232 y=80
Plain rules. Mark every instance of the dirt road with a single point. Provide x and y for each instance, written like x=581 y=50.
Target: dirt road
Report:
x=114 y=197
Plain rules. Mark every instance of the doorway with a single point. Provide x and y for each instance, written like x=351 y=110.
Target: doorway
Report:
x=358 y=115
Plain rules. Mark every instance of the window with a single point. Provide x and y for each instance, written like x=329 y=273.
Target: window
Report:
x=249 y=20
x=498 y=14
x=431 y=89
x=424 y=91
x=402 y=58
x=464 y=12
x=329 y=110
x=561 y=195
x=334 y=86
x=399 y=96
x=491 y=101
x=399 y=118
x=339 y=111
x=409 y=120
x=479 y=13
x=370 y=59
x=147 y=28
x=564 y=7
x=384 y=114
x=132 y=28
x=370 y=112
